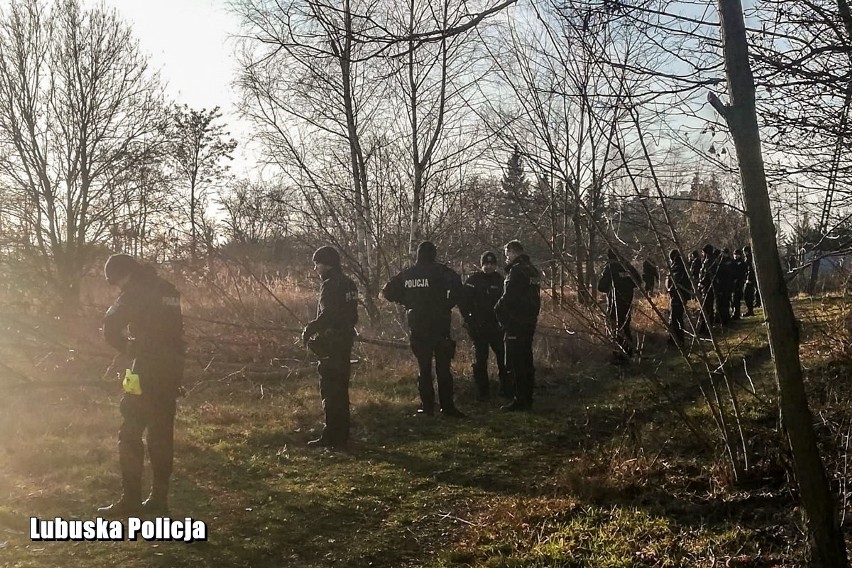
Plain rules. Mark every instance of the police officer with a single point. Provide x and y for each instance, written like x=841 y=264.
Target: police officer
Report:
x=706 y=287
x=617 y=281
x=517 y=311
x=750 y=288
x=739 y=269
x=679 y=289
x=482 y=289
x=429 y=290
x=146 y=327
x=724 y=286
x=330 y=336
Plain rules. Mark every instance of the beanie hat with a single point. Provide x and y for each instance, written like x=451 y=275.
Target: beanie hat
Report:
x=488 y=257
x=708 y=249
x=327 y=255
x=118 y=266
x=427 y=252
x=674 y=254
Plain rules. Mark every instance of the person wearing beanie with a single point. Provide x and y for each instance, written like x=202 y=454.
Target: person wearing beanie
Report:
x=330 y=336
x=517 y=311
x=618 y=281
x=145 y=326
x=482 y=289
x=707 y=287
x=429 y=290
x=679 y=288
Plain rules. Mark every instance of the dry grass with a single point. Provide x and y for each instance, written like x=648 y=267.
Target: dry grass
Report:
x=604 y=473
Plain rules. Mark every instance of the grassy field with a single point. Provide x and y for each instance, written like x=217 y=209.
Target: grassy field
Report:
x=605 y=472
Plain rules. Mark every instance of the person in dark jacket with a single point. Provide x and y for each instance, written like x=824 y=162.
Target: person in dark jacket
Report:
x=750 y=287
x=145 y=326
x=517 y=311
x=618 y=281
x=330 y=336
x=679 y=289
x=482 y=289
x=739 y=270
x=429 y=290
x=724 y=286
x=707 y=290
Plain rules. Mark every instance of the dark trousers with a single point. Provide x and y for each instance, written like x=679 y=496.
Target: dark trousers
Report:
x=156 y=414
x=441 y=349
x=334 y=371
x=749 y=292
x=723 y=307
x=483 y=342
x=708 y=303
x=737 y=300
x=620 y=317
x=520 y=365
x=676 y=312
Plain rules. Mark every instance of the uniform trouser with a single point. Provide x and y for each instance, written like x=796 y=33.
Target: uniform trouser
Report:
x=334 y=371
x=520 y=365
x=156 y=414
x=737 y=300
x=484 y=341
x=620 y=317
x=441 y=349
x=723 y=307
x=676 y=312
x=707 y=310
x=749 y=295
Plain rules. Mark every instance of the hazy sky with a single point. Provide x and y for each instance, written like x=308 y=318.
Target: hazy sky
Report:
x=188 y=42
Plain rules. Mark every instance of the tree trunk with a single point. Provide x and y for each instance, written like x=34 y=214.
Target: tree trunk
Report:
x=826 y=546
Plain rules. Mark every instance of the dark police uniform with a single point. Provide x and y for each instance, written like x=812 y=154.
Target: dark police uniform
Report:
x=724 y=284
x=517 y=311
x=481 y=292
x=707 y=287
x=618 y=280
x=679 y=289
x=331 y=335
x=429 y=290
x=149 y=309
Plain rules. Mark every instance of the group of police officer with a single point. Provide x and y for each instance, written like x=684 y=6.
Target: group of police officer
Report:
x=719 y=281
x=145 y=326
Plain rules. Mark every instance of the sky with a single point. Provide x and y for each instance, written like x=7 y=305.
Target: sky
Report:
x=189 y=42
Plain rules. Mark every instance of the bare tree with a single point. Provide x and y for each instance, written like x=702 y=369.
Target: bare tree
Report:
x=201 y=150
x=825 y=537
x=76 y=96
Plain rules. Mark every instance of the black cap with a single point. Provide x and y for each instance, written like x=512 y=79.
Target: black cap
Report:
x=427 y=252
x=118 y=266
x=488 y=257
x=708 y=248
x=327 y=255
x=674 y=253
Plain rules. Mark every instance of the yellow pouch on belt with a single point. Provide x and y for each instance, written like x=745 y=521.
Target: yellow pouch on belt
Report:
x=131 y=382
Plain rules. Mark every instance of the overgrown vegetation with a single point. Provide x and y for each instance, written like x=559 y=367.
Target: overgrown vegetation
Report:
x=616 y=466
